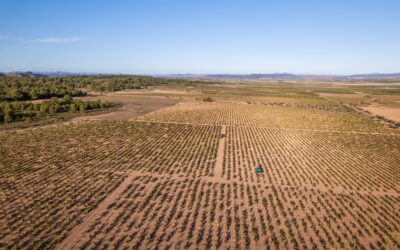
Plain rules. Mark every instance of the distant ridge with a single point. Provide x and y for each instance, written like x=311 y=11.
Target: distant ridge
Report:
x=58 y=74
x=376 y=75
x=288 y=76
x=284 y=76
x=23 y=74
x=255 y=76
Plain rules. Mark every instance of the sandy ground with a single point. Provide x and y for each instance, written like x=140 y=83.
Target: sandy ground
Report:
x=366 y=84
x=391 y=101
x=220 y=154
x=376 y=108
x=132 y=106
x=168 y=204
x=291 y=173
x=391 y=113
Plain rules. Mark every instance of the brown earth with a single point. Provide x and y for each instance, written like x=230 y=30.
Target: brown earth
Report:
x=391 y=113
x=132 y=105
x=345 y=98
x=179 y=185
x=220 y=154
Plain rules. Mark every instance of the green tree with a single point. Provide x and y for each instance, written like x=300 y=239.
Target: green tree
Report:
x=8 y=113
x=67 y=99
x=72 y=108
x=33 y=94
x=82 y=107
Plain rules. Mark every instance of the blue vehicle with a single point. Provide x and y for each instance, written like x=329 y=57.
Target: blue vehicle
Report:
x=259 y=170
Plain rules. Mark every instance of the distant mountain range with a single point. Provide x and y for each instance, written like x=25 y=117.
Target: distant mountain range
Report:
x=255 y=76
x=44 y=74
x=23 y=74
x=284 y=76
x=377 y=75
x=273 y=76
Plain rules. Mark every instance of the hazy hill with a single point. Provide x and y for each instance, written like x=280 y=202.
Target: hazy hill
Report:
x=273 y=76
x=377 y=75
x=24 y=74
x=283 y=76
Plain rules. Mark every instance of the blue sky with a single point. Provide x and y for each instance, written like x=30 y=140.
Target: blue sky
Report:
x=208 y=36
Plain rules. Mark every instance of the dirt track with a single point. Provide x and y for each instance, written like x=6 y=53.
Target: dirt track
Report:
x=220 y=154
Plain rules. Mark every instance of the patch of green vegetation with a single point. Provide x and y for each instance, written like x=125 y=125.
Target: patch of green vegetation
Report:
x=24 y=88
x=208 y=99
x=27 y=111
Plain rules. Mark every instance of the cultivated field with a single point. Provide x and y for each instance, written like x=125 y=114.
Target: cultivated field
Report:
x=183 y=176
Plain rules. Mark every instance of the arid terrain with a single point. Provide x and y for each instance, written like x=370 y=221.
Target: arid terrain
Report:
x=133 y=105
x=172 y=169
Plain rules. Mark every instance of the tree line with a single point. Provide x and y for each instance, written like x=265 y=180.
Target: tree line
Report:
x=17 y=92
x=27 y=111
x=111 y=83
x=23 y=88
x=33 y=88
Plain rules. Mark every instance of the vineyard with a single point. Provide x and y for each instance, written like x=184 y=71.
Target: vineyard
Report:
x=264 y=115
x=51 y=178
x=164 y=212
x=183 y=177
x=263 y=94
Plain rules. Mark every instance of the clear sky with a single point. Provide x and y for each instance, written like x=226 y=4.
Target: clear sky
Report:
x=207 y=36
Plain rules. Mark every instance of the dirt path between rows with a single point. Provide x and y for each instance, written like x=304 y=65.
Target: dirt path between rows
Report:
x=220 y=154
x=76 y=233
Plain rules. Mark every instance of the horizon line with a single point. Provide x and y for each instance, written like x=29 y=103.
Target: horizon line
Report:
x=194 y=74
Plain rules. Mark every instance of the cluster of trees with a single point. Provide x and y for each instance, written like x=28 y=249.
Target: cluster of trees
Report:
x=114 y=83
x=23 y=111
x=208 y=99
x=32 y=88
x=121 y=82
x=21 y=88
x=16 y=92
